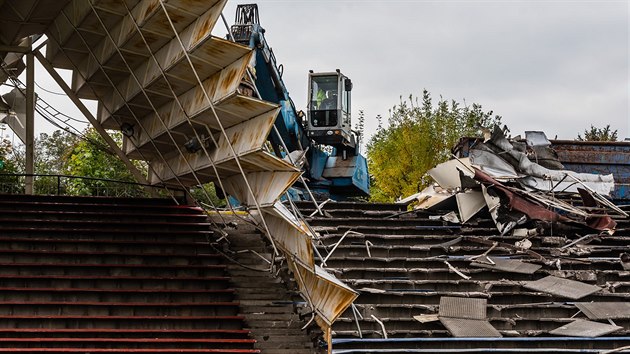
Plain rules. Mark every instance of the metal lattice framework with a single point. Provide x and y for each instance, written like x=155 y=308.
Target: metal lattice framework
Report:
x=155 y=69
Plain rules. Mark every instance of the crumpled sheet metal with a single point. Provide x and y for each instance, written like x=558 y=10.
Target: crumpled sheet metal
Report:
x=446 y=174
x=534 y=211
x=329 y=296
x=266 y=186
x=536 y=138
x=493 y=165
x=288 y=233
x=432 y=197
x=603 y=184
x=469 y=203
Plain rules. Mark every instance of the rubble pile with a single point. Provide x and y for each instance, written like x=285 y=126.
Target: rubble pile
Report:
x=508 y=251
x=519 y=181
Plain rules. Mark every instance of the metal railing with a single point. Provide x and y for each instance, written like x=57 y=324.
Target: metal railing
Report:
x=52 y=184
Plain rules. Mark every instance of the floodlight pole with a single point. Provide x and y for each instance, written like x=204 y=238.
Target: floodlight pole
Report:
x=30 y=119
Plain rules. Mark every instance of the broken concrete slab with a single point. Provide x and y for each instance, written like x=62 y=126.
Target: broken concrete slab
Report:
x=466 y=317
x=507 y=265
x=585 y=328
x=604 y=310
x=562 y=287
x=426 y=318
x=462 y=327
x=462 y=307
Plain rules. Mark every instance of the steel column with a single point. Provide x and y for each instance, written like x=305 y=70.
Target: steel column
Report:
x=30 y=121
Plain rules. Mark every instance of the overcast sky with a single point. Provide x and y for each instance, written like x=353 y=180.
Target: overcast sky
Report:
x=556 y=66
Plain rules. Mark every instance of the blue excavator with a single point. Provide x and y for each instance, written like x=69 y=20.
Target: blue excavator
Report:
x=333 y=166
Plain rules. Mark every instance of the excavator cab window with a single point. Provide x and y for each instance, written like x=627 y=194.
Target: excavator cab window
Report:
x=324 y=101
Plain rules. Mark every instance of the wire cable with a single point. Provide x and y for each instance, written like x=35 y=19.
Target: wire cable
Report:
x=51 y=92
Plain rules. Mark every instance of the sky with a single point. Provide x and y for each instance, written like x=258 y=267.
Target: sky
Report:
x=555 y=66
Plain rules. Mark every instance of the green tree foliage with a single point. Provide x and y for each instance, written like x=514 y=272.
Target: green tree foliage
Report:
x=418 y=136
x=359 y=127
x=598 y=134
x=207 y=194
x=52 y=151
x=90 y=158
x=9 y=165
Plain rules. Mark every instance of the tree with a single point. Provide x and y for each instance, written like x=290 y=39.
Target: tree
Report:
x=359 y=127
x=9 y=164
x=599 y=134
x=89 y=157
x=52 y=151
x=419 y=136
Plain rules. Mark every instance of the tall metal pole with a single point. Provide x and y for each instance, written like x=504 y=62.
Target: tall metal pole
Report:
x=30 y=121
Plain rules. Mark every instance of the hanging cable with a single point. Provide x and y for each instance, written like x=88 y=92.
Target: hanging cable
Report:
x=51 y=92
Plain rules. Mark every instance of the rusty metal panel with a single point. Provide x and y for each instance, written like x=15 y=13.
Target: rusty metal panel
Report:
x=604 y=310
x=245 y=137
x=267 y=186
x=175 y=120
x=585 y=328
x=169 y=55
x=251 y=162
x=463 y=327
x=289 y=234
x=562 y=287
x=218 y=86
x=115 y=6
x=171 y=60
x=330 y=297
x=598 y=157
x=507 y=265
x=462 y=307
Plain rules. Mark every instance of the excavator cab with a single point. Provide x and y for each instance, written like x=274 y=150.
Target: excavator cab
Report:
x=329 y=121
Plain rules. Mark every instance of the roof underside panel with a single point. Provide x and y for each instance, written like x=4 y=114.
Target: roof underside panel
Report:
x=160 y=76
